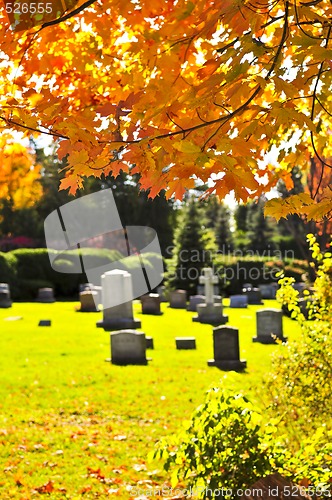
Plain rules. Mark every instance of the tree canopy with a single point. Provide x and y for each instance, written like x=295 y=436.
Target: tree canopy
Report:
x=178 y=91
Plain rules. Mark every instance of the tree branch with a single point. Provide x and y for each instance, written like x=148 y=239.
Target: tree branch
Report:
x=67 y=16
x=54 y=134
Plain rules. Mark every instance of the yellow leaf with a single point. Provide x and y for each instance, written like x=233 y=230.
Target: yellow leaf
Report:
x=186 y=147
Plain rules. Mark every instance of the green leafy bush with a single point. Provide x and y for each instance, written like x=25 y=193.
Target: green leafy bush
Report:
x=228 y=445
x=225 y=445
x=301 y=381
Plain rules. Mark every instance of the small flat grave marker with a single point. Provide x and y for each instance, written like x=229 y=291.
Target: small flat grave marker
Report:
x=185 y=342
x=44 y=322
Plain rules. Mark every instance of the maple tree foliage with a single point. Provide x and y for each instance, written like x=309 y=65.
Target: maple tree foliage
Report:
x=19 y=174
x=178 y=91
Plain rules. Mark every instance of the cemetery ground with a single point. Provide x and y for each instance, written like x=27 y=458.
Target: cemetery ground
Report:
x=75 y=426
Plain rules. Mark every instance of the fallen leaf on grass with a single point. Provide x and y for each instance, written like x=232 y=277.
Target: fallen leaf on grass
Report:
x=45 y=488
x=86 y=489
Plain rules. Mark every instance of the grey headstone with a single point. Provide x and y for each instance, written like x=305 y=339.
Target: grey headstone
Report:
x=268 y=291
x=161 y=291
x=269 y=324
x=86 y=287
x=128 y=347
x=226 y=349
x=185 y=342
x=194 y=300
x=300 y=287
x=5 y=300
x=238 y=301
x=88 y=300
x=211 y=314
x=201 y=289
x=151 y=304
x=254 y=296
x=178 y=299
x=149 y=343
x=45 y=295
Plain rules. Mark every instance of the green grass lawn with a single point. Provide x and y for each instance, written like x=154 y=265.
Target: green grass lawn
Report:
x=74 y=426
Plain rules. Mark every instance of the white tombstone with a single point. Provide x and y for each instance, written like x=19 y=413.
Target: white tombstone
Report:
x=208 y=280
x=117 y=300
x=210 y=312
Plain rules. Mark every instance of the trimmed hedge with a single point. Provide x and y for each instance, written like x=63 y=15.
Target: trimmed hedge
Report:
x=234 y=272
x=26 y=270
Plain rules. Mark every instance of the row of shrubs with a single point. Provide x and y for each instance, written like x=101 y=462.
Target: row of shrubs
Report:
x=234 y=271
x=26 y=270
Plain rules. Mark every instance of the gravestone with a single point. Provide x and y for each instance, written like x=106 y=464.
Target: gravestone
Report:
x=201 y=289
x=45 y=295
x=117 y=289
x=178 y=299
x=226 y=349
x=44 y=322
x=238 y=301
x=194 y=300
x=149 y=343
x=99 y=298
x=161 y=291
x=151 y=304
x=210 y=313
x=305 y=307
x=128 y=347
x=268 y=291
x=300 y=287
x=269 y=324
x=185 y=342
x=86 y=287
x=254 y=296
x=88 y=300
x=5 y=300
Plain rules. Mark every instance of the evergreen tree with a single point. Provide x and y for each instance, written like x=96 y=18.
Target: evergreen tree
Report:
x=194 y=248
x=260 y=229
x=224 y=235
